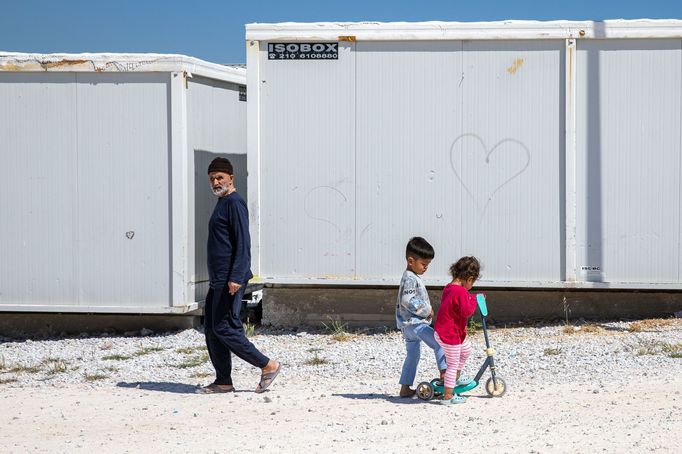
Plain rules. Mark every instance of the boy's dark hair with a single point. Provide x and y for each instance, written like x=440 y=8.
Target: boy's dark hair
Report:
x=419 y=248
x=465 y=268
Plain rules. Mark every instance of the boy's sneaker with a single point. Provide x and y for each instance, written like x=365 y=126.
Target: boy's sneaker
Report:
x=464 y=380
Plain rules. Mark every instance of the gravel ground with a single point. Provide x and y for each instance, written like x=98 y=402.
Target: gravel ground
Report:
x=594 y=353
x=604 y=387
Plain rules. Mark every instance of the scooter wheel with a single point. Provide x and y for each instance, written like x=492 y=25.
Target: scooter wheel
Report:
x=496 y=391
x=425 y=391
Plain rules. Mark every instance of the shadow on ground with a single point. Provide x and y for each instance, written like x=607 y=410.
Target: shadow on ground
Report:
x=168 y=387
x=385 y=397
x=394 y=399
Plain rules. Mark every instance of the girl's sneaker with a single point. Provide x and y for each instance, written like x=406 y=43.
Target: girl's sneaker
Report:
x=464 y=380
x=455 y=400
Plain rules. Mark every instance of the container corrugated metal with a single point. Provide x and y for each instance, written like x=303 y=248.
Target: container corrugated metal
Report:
x=629 y=126
x=551 y=150
x=308 y=163
x=102 y=161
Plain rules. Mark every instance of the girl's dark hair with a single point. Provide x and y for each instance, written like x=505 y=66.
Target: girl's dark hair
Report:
x=419 y=248
x=465 y=268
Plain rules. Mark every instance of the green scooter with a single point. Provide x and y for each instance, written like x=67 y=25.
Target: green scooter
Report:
x=495 y=386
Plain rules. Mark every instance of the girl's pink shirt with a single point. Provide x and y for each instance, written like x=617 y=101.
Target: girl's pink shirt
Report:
x=456 y=306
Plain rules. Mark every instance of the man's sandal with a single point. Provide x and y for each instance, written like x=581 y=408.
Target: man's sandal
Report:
x=267 y=379
x=215 y=388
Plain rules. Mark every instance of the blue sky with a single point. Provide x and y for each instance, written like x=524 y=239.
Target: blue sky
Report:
x=214 y=30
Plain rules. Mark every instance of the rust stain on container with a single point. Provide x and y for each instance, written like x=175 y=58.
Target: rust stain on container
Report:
x=57 y=64
x=515 y=66
x=350 y=39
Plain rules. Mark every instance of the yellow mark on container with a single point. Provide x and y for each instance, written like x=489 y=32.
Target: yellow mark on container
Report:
x=10 y=67
x=515 y=66
x=570 y=64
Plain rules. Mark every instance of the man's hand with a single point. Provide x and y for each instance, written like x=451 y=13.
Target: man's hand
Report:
x=430 y=314
x=233 y=286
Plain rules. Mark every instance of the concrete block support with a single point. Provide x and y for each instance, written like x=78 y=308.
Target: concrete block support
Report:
x=16 y=324
x=293 y=307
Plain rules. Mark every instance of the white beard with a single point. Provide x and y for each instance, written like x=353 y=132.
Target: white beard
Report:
x=220 y=191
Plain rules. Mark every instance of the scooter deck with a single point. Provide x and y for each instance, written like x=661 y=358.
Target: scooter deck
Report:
x=458 y=389
x=465 y=388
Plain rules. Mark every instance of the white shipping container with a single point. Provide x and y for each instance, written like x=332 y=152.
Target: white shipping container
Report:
x=550 y=150
x=104 y=200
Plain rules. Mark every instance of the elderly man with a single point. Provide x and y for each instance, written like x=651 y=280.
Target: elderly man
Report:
x=229 y=270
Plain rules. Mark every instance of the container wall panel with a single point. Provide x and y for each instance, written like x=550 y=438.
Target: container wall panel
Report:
x=307 y=155
x=38 y=189
x=216 y=126
x=509 y=159
x=461 y=143
x=629 y=160
x=409 y=111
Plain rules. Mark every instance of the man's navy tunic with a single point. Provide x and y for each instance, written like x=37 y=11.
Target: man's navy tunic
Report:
x=229 y=242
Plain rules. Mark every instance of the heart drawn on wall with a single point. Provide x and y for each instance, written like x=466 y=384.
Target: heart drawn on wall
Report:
x=496 y=166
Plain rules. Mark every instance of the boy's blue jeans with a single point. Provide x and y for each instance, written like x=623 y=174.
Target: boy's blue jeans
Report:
x=414 y=335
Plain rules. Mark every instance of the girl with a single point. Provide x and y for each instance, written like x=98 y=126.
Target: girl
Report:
x=457 y=305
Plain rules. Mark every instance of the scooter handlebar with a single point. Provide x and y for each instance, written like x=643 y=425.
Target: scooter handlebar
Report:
x=482 y=306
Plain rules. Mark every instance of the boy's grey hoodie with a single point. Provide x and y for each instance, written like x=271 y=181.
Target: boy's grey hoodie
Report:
x=413 y=305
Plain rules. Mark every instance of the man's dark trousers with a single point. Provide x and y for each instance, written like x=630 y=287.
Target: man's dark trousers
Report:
x=225 y=333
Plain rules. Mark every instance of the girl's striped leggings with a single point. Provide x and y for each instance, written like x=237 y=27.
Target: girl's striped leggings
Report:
x=455 y=357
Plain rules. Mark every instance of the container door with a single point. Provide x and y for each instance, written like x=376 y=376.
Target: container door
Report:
x=123 y=190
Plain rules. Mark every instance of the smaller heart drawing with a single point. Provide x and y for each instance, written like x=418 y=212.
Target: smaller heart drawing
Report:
x=130 y=235
x=323 y=196
x=496 y=179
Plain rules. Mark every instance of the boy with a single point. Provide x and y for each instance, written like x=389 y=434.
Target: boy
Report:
x=413 y=313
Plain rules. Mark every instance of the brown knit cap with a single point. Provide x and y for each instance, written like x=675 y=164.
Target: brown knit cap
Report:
x=221 y=165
